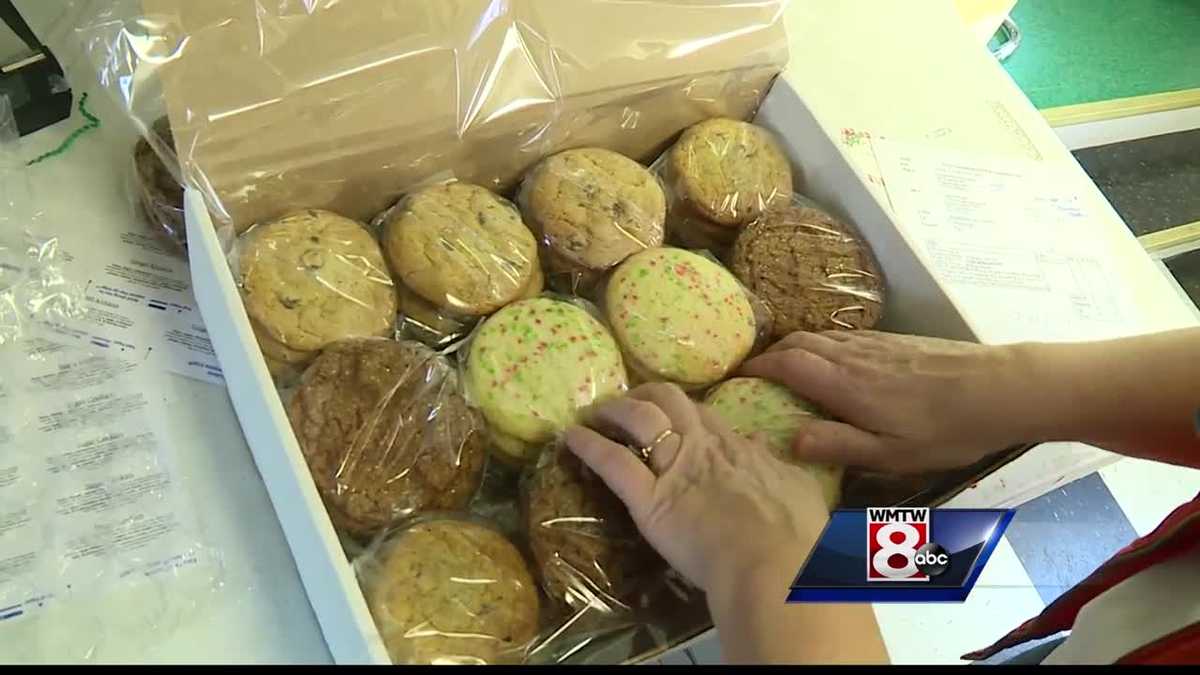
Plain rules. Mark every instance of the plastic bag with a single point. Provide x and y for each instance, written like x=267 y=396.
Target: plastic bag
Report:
x=461 y=248
x=386 y=433
x=324 y=105
x=750 y=405
x=312 y=278
x=33 y=289
x=588 y=552
x=722 y=174
x=681 y=317
x=592 y=208
x=450 y=590
x=814 y=271
x=156 y=192
x=532 y=366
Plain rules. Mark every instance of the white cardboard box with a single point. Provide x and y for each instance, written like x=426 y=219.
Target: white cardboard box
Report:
x=917 y=304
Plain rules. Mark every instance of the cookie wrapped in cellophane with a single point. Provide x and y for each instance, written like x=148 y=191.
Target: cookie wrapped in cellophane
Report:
x=312 y=278
x=810 y=268
x=386 y=433
x=447 y=589
x=754 y=406
x=533 y=366
x=681 y=317
x=720 y=175
x=591 y=208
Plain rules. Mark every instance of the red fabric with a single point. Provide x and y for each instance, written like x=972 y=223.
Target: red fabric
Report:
x=1182 y=646
x=1179 y=533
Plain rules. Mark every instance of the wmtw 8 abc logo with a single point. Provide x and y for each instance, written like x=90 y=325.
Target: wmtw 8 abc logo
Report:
x=900 y=546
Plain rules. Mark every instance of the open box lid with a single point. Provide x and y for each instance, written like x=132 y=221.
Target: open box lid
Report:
x=341 y=105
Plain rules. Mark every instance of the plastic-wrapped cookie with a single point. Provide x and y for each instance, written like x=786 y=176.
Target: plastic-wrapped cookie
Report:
x=312 y=278
x=386 y=433
x=450 y=591
x=461 y=248
x=593 y=208
x=679 y=317
x=751 y=405
x=811 y=269
x=533 y=365
x=158 y=191
x=587 y=550
x=727 y=171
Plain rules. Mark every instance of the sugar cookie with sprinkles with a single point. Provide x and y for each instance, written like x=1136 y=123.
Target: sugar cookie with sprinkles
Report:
x=533 y=365
x=679 y=317
x=751 y=405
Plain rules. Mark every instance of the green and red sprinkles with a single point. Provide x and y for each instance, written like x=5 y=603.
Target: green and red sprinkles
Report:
x=680 y=316
x=535 y=363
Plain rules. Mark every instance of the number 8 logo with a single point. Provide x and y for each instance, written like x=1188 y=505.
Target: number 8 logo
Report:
x=882 y=562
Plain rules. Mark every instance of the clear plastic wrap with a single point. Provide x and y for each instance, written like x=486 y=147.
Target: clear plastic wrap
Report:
x=450 y=589
x=320 y=104
x=720 y=175
x=460 y=248
x=591 y=208
x=309 y=279
x=681 y=317
x=753 y=406
x=156 y=192
x=33 y=289
x=588 y=552
x=813 y=270
x=533 y=366
x=386 y=433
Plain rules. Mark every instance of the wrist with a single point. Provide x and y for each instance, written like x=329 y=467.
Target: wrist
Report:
x=1046 y=392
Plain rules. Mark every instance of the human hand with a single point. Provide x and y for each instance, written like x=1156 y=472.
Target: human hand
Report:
x=906 y=404
x=715 y=505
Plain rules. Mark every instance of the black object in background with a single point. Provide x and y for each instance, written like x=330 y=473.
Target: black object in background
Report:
x=35 y=84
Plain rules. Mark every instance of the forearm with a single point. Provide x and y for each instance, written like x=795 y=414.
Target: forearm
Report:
x=756 y=625
x=1136 y=396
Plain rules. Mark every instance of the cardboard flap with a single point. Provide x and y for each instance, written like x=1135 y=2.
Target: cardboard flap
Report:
x=342 y=105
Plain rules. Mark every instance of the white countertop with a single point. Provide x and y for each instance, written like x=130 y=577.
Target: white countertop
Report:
x=907 y=70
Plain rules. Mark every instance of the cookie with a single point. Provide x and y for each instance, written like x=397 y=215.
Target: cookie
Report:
x=728 y=171
x=570 y=279
x=751 y=405
x=587 y=551
x=810 y=269
x=386 y=433
x=593 y=207
x=534 y=364
x=679 y=317
x=276 y=351
x=461 y=248
x=314 y=277
x=159 y=192
x=420 y=320
x=451 y=592
x=537 y=284
x=688 y=230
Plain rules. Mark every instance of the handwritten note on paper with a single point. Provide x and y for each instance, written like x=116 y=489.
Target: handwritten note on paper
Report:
x=1016 y=256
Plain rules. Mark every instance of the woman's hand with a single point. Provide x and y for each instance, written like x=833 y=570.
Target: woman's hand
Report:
x=716 y=506
x=730 y=517
x=907 y=404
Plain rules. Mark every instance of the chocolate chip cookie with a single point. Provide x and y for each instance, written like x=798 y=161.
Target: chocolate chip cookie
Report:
x=314 y=277
x=451 y=592
x=461 y=248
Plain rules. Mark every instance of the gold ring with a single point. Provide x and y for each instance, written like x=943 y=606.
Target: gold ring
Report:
x=647 y=451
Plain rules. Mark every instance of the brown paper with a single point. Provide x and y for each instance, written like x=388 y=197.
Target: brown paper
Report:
x=343 y=105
